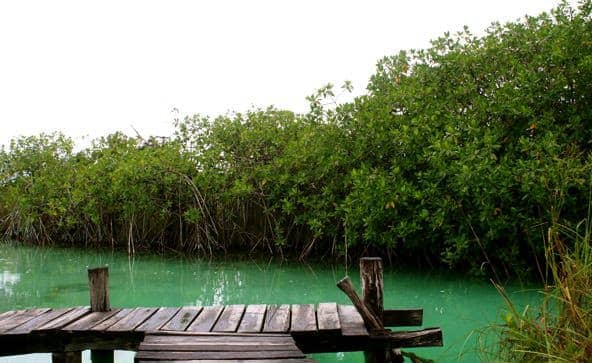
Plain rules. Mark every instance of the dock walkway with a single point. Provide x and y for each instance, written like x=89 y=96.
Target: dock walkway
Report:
x=230 y=333
x=222 y=348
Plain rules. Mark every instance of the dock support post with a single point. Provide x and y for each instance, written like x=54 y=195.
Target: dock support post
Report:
x=371 y=278
x=98 y=285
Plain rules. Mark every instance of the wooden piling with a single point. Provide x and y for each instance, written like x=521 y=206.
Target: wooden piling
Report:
x=98 y=285
x=371 y=278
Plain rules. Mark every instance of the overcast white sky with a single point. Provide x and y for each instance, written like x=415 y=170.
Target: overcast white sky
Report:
x=92 y=68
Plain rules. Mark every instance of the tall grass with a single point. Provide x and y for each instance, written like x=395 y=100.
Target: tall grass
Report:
x=560 y=329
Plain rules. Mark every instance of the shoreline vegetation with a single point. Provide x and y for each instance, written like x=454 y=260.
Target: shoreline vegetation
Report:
x=456 y=156
x=468 y=155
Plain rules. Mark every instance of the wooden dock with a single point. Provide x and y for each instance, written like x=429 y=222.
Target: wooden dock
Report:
x=267 y=333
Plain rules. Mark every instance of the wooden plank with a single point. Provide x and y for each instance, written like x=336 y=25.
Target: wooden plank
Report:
x=206 y=319
x=303 y=319
x=65 y=319
x=157 y=320
x=38 y=321
x=217 y=346
x=351 y=321
x=6 y=314
x=277 y=319
x=216 y=339
x=133 y=319
x=207 y=334
x=229 y=319
x=183 y=318
x=21 y=318
x=168 y=355
x=403 y=317
x=103 y=325
x=253 y=319
x=431 y=337
x=90 y=320
x=328 y=318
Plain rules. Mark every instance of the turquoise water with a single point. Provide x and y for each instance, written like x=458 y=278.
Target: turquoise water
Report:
x=52 y=277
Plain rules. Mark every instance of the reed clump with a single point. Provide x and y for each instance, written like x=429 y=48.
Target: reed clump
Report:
x=560 y=329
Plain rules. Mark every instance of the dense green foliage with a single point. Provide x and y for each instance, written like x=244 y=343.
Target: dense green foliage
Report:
x=457 y=154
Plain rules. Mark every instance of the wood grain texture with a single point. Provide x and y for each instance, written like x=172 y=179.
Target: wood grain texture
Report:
x=328 y=318
x=206 y=319
x=98 y=286
x=229 y=319
x=183 y=318
x=162 y=316
x=403 y=317
x=277 y=319
x=133 y=319
x=103 y=325
x=65 y=319
x=34 y=323
x=303 y=319
x=431 y=337
x=90 y=320
x=253 y=319
x=21 y=318
x=351 y=321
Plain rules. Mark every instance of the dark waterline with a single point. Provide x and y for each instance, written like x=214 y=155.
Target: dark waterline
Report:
x=52 y=277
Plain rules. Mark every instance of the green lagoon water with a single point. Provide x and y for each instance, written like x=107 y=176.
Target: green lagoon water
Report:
x=52 y=277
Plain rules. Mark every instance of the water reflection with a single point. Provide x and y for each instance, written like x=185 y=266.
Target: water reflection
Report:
x=7 y=280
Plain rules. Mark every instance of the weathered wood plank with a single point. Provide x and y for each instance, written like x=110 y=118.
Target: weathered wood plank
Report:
x=168 y=355
x=277 y=319
x=403 y=317
x=103 y=325
x=217 y=346
x=229 y=319
x=217 y=339
x=162 y=316
x=90 y=320
x=65 y=319
x=133 y=319
x=21 y=318
x=328 y=318
x=252 y=321
x=206 y=319
x=303 y=319
x=183 y=318
x=9 y=313
x=38 y=321
x=430 y=337
x=351 y=321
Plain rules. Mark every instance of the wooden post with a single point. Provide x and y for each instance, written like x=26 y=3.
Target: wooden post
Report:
x=372 y=281
x=371 y=278
x=98 y=285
